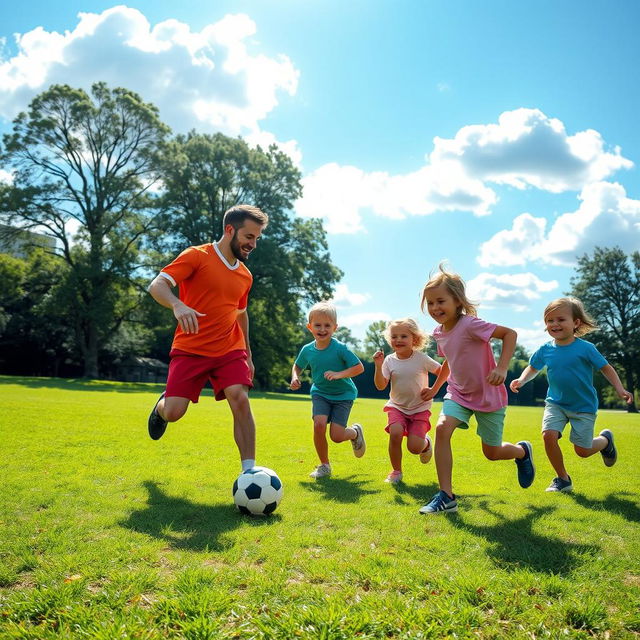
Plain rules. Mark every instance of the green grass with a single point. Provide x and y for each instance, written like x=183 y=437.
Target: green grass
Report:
x=106 y=534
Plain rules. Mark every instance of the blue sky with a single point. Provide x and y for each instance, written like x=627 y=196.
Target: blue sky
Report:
x=500 y=136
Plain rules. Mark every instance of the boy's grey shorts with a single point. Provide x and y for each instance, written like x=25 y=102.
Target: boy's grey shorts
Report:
x=336 y=410
x=555 y=418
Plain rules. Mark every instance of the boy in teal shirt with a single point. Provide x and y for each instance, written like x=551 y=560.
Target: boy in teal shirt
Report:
x=332 y=392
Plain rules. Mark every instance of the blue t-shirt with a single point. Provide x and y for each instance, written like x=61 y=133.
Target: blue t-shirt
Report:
x=336 y=357
x=570 y=370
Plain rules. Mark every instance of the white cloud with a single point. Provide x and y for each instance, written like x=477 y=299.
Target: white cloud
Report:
x=606 y=217
x=359 y=322
x=516 y=290
x=525 y=148
x=345 y=298
x=6 y=177
x=208 y=80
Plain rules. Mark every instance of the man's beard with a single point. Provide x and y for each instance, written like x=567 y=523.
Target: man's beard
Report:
x=235 y=248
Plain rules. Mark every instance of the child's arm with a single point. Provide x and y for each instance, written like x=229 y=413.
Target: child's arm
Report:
x=611 y=375
x=378 y=379
x=428 y=393
x=295 y=377
x=529 y=373
x=351 y=372
x=508 y=337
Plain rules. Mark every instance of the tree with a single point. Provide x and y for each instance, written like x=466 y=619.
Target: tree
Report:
x=204 y=175
x=83 y=169
x=374 y=340
x=343 y=334
x=608 y=283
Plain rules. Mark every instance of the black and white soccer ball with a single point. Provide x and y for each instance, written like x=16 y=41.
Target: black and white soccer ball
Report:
x=257 y=491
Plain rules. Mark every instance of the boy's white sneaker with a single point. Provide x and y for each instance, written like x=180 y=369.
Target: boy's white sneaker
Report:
x=425 y=455
x=358 y=444
x=321 y=471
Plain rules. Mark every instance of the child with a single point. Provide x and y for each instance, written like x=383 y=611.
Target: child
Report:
x=408 y=370
x=572 y=398
x=475 y=383
x=332 y=392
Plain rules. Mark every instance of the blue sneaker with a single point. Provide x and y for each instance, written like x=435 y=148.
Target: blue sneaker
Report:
x=440 y=503
x=609 y=453
x=526 y=468
x=156 y=424
x=560 y=485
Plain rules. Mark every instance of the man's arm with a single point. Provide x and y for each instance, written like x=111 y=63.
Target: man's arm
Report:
x=243 y=321
x=160 y=290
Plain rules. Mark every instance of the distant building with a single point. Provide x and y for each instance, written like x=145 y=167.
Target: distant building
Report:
x=19 y=243
x=140 y=369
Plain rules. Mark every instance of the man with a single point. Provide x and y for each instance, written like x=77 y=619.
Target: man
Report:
x=211 y=341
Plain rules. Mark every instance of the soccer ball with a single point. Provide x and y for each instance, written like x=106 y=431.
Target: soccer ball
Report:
x=257 y=491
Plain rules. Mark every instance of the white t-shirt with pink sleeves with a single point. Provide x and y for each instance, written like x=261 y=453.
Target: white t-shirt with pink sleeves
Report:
x=468 y=352
x=408 y=378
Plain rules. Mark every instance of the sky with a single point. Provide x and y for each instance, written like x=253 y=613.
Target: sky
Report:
x=501 y=137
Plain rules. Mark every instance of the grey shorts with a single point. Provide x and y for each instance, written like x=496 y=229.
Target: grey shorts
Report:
x=336 y=410
x=555 y=418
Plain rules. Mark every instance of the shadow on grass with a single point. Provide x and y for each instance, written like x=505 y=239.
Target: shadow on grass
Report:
x=419 y=493
x=613 y=503
x=514 y=543
x=184 y=524
x=339 y=489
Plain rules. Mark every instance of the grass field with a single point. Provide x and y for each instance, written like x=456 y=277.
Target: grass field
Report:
x=107 y=534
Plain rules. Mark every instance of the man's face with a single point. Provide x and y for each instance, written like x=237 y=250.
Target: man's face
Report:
x=244 y=239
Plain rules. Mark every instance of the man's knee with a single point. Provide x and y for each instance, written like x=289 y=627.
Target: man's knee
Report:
x=174 y=408
x=238 y=398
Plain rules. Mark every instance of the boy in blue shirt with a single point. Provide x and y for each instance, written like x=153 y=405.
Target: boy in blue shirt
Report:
x=572 y=397
x=332 y=392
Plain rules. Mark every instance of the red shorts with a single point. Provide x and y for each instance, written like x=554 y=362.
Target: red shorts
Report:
x=414 y=424
x=188 y=373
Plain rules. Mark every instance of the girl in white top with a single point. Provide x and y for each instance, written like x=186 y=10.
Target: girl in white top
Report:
x=408 y=370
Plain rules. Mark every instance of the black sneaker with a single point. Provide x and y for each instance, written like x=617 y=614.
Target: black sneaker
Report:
x=561 y=486
x=157 y=424
x=526 y=469
x=609 y=453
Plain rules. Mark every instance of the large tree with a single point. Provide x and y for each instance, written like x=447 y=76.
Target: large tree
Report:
x=608 y=283
x=83 y=167
x=203 y=176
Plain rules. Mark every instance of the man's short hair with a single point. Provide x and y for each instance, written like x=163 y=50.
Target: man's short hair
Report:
x=237 y=215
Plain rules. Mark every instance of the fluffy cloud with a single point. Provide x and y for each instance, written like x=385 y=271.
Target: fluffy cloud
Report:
x=606 y=217
x=344 y=298
x=527 y=148
x=524 y=149
x=514 y=290
x=207 y=80
x=358 y=323
x=531 y=339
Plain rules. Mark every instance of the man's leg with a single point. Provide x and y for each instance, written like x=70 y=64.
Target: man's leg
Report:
x=244 y=428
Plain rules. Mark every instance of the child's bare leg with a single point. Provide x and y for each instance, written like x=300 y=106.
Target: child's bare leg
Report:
x=598 y=444
x=505 y=451
x=443 y=455
x=320 y=438
x=554 y=453
x=396 y=432
x=416 y=444
x=174 y=407
x=340 y=433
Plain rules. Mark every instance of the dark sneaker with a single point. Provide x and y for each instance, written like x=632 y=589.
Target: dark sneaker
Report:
x=560 y=485
x=359 y=446
x=441 y=503
x=609 y=453
x=526 y=469
x=157 y=424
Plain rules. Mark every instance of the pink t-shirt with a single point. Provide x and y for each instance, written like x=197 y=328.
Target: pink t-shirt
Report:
x=468 y=352
x=408 y=378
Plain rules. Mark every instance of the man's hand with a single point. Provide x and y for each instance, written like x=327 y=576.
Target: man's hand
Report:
x=187 y=317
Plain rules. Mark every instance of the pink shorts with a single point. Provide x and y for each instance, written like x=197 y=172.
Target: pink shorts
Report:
x=414 y=424
x=189 y=372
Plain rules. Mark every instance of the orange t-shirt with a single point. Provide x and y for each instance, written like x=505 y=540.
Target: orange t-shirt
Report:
x=210 y=285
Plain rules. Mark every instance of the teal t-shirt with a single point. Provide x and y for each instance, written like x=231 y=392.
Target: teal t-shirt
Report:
x=570 y=370
x=336 y=357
